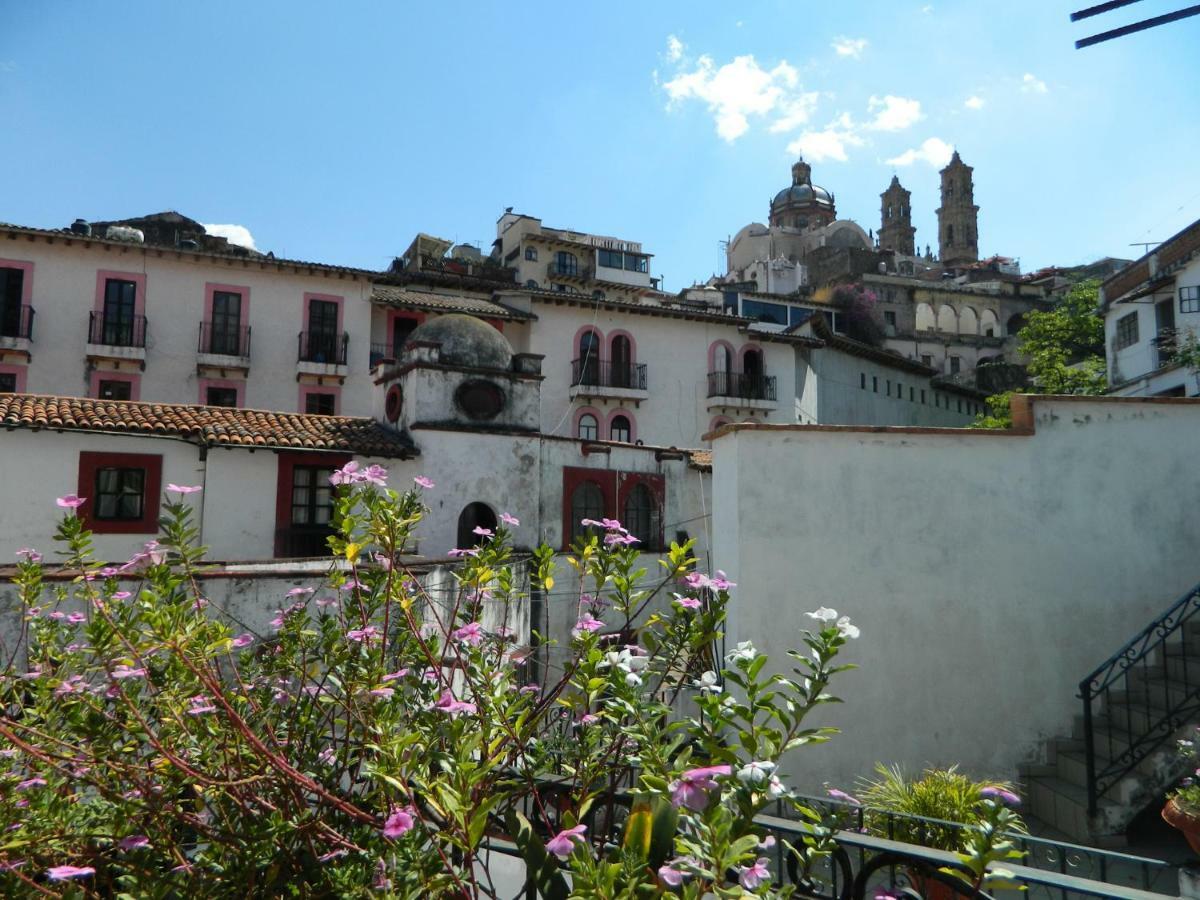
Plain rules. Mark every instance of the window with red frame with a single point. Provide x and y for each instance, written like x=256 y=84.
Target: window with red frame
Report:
x=121 y=492
x=635 y=499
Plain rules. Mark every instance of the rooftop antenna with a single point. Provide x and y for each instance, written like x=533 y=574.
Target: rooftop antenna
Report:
x=1145 y=245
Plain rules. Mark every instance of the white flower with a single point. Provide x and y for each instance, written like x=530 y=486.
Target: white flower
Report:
x=743 y=652
x=709 y=683
x=728 y=704
x=824 y=615
x=755 y=772
x=775 y=788
x=632 y=680
x=846 y=629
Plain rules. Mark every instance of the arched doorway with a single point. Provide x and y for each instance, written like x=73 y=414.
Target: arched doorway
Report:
x=474 y=515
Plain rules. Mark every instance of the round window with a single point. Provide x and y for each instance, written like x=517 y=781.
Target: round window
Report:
x=393 y=403
x=479 y=399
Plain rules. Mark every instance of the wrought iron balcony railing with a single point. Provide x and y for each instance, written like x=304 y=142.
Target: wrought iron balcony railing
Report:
x=568 y=270
x=225 y=341
x=116 y=331
x=17 y=322
x=323 y=347
x=605 y=373
x=743 y=385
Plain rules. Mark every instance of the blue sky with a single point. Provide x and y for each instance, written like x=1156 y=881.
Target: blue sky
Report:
x=336 y=131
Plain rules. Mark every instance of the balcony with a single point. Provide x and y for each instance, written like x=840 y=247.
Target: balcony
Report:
x=16 y=329
x=1165 y=346
x=322 y=352
x=741 y=390
x=117 y=337
x=223 y=347
x=575 y=272
x=608 y=380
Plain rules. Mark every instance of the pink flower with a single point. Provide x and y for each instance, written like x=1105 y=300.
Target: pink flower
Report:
x=76 y=617
x=121 y=595
x=691 y=790
x=123 y=671
x=399 y=823
x=482 y=532
x=381 y=692
x=587 y=623
x=200 y=706
x=613 y=538
x=422 y=481
x=332 y=855
x=347 y=474
x=300 y=591
x=277 y=622
x=393 y=676
x=843 y=796
x=325 y=602
x=458 y=552
x=753 y=876
x=63 y=873
x=448 y=704
x=589 y=719
x=243 y=640
x=670 y=876
x=71 y=501
x=563 y=843
x=375 y=475
x=28 y=553
x=471 y=633
x=509 y=520
x=31 y=783
x=530 y=689
x=134 y=842
x=363 y=635
x=687 y=602
x=183 y=489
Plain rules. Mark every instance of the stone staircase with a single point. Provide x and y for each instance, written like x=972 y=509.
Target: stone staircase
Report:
x=1148 y=698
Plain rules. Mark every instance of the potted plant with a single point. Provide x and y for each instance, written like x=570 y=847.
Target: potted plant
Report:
x=1182 y=809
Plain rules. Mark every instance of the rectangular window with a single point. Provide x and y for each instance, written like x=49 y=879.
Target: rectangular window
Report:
x=911 y=395
x=960 y=404
x=1189 y=299
x=1127 y=331
x=115 y=390
x=12 y=286
x=120 y=303
x=889 y=387
x=899 y=391
x=798 y=314
x=927 y=360
x=955 y=365
x=122 y=491
x=8 y=383
x=312 y=496
x=923 y=403
x=227 y=323
x=889 y=317
x=765 y=312
x=862 y=380
x=320 y=404
x=221 y=396
x=875 y=383
x=119 y=495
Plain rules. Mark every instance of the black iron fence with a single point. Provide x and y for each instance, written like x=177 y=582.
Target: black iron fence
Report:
x=116 y=331
x=606 y=373
x=1135 y=702
x=743 y=385
x=323 y=347
x=17 y=322
x=224 y=340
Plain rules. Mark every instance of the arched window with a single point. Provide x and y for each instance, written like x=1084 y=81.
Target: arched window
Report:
x=587 y=502
x=531 y=284
x=621 y=362
x=474 y=515
x=587 y=365
x=753 y=386
x=947 y=320
x=531 y=254
x=589 y=428
x=722 y=359
x=565 y=263
x=641 y=517
x=619 y=429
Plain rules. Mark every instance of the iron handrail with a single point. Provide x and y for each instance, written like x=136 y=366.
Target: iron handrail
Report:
x=18 y=326
x=1113 y=675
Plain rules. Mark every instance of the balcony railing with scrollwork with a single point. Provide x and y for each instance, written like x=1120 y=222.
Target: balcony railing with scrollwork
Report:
x=116 y=331
x=323 y=347
x=17 y=322
x=224 y=340
x=589 y=372
x=742 y=385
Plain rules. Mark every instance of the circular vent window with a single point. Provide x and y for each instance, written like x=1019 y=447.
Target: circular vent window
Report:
x=393 y=403
x=479 y=399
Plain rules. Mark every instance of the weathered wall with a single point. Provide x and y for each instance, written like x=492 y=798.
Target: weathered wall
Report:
x=989 y=572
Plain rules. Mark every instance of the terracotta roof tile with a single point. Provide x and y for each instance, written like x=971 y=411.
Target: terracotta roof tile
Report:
x=403 y=299
x=211 y=425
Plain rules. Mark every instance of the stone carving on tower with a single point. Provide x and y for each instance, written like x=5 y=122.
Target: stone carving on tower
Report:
x=958 y=216
x=803 y=205
x=897 y=232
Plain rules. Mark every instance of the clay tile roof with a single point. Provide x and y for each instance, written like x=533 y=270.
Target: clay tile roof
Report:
x=701 y=459
x=403 y=299
x=210 y=425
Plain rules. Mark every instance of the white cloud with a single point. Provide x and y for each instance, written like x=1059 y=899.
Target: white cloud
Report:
x=974 y=102
x=795 y=112
x=893 y=113
x=674 y=48
x=852 y=47
x=933 y=150
x=738 y=90
x=235 y=234
x=1032 y=85
x=829 y=143
x=927 y=8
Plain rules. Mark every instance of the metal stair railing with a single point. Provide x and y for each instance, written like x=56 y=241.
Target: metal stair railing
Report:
x=1129 y=671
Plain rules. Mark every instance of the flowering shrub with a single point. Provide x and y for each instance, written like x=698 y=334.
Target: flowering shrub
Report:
x=378 y=742
x=1187 y=794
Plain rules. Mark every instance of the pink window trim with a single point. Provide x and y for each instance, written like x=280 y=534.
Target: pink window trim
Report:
x=336 y=390
x=612 y=335
x=576 y=349
x=751 y=348
x=632 y=425
x=138 y=278
x=712 y=354
x=595 y=414
x=412 y=315
x=206 y=383
x=332 y=298
x=212 y=287
x=19 y=371
x=99 y=375
x=717 y=422
x=26 y=282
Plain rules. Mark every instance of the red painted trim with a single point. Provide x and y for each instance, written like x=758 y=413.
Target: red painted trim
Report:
x=626 y=481
x=712 y=355
x=19 y=371
x=336 y=390
x=620 y=411
x=412 y=315
x=90 y=462
x=718 y=421
x=573 y=476
x=139 y=294
x=206 y=383
x=283 y=487
x=26 y=281
x=577 y=349
x=212 y=287
x=98 y=375
x=496 y=323
x=620 y=332
x=332 y=298
x=596 y=414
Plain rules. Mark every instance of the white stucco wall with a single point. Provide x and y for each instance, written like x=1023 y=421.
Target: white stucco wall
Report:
x=989 y=572
x=1134 y=369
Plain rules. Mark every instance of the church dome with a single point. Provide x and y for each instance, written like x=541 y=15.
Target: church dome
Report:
x=803 y=193
x=466 y=341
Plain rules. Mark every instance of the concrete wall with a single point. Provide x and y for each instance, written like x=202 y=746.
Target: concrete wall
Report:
x=989 y=572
